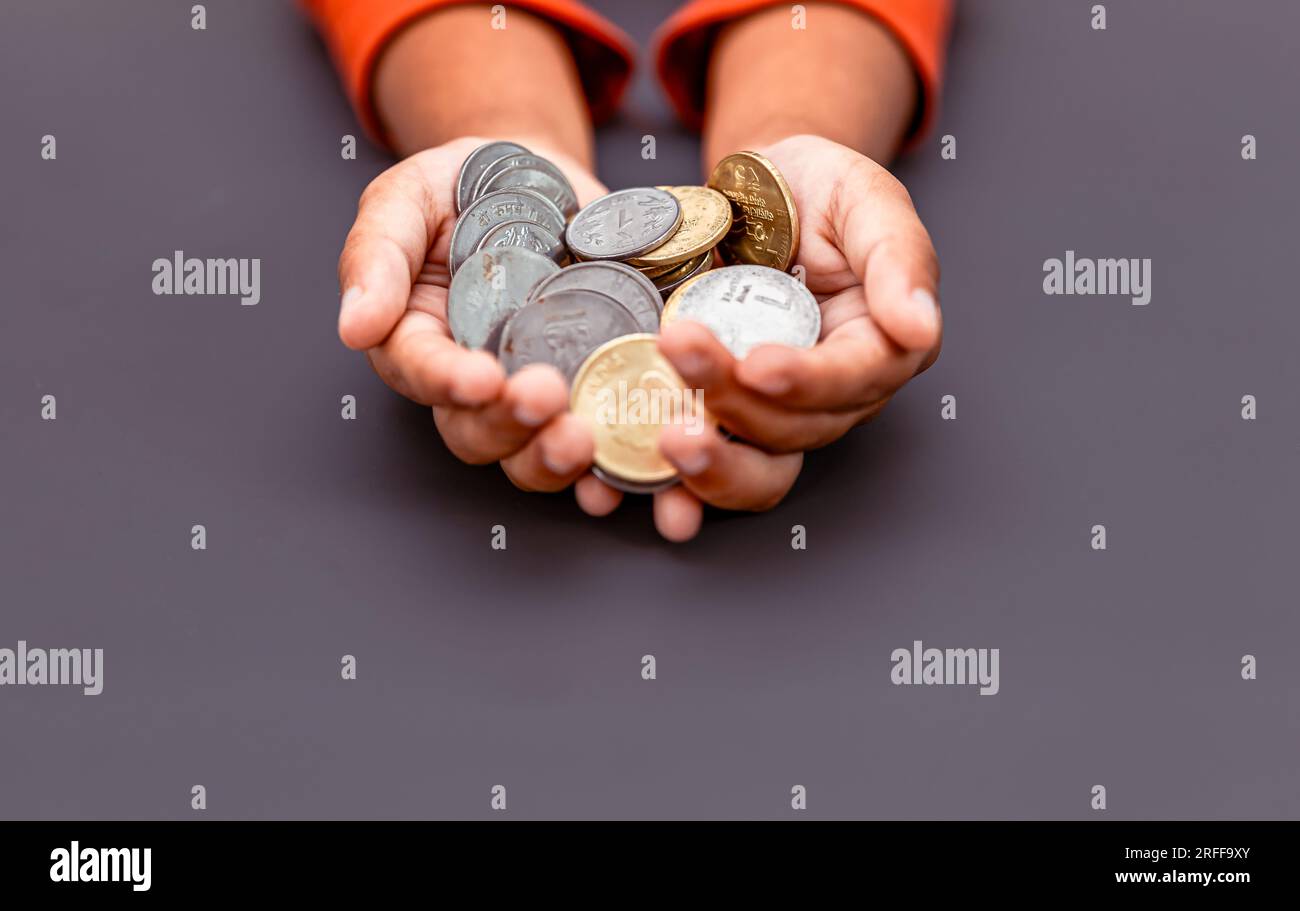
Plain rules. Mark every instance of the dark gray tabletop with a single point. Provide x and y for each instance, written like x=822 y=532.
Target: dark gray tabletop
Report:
x=522 y=667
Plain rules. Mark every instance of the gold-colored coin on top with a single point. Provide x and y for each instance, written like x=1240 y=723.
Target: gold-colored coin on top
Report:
x=628 y=392
x=706 y=219
x=765 y=227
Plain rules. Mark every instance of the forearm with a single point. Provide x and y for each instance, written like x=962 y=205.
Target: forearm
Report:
x=452 y=74
x=843 y=77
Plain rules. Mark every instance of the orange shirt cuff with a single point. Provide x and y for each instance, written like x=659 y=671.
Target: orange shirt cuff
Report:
x=357 y=31
x=684 y=42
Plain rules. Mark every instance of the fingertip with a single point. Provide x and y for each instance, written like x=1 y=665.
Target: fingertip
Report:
x=567 y=444
x=545 y=378
x=692 y=349
x=376 y=282
x=914 y=321
x=537 y=393
x=683 y=335
x=478 y=379
x=688 y=452
x=578 y=430
x=901 y=296
x=595 y=497
x=360 y=322
x=678 y=514
x=769 y=369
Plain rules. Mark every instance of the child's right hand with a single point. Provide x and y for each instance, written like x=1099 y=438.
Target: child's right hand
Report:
x=393 y=277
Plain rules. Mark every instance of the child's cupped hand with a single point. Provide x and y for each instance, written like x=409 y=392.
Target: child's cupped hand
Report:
x=870 y=262
x=393 y=277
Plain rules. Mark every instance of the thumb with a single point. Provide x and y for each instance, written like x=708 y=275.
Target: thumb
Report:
x=890 y=252
x=901 y=280
x=382 y=256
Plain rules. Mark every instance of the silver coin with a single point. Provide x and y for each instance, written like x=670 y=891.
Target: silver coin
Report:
x=623 y=283
x=669 y=283
x=561 y=329
x=474 y=165
x=535 y=174
x=624 y=224
x=486 y=212
x=509 y=160
x=746 y=306
x=492 y=285
x=631 y=486
x=528 y=235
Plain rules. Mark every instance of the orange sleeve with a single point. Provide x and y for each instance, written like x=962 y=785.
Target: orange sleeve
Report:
x=356 y=32
x=684 y=42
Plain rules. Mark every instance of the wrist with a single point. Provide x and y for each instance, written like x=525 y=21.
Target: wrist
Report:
x=843 y=76
x=431 y=84
x=754 y=136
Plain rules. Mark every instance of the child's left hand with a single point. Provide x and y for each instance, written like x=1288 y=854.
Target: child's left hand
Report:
x=874 y=270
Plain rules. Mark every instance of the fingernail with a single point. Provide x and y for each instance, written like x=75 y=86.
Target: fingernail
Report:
x=557 y=464
x=527 y=416
x=350 y=297
x=772 y=384
x=692 y=364
x=462 y=398
x=693 y=463
x=925 y=308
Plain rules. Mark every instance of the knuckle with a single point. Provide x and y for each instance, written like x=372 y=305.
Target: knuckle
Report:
x=376 y=189
x=403 y=181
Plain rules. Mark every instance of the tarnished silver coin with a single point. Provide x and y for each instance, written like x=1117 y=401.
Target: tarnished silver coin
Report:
x=527 y=235
x=533 y=173
x=670 y=281
x=491 y=285
x=474 y=166
x=561 y=329
x=623 y=224
x=631 y=486
x=746 y=306
x=623 y=283
x=486 y=212
x=512 y=160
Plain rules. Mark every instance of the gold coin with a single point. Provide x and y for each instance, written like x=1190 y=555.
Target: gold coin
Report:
x=690 y=269
x=669 y=312
x=653 y=272
x=765 y=230
x=628 y=392
x=706 y=219
x=682 y=269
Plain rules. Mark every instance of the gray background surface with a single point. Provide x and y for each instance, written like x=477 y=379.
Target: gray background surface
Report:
x=521 y=667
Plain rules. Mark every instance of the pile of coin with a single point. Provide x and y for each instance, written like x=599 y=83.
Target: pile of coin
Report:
x=536 y=280
x=508 y=197
x=668 y=234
